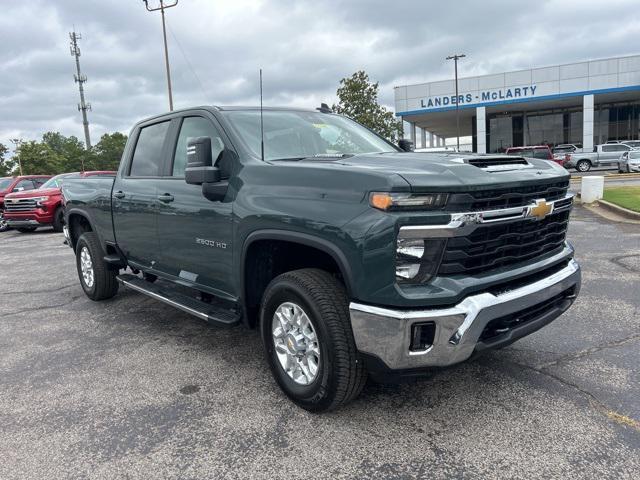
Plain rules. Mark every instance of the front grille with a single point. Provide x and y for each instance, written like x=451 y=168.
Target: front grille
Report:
x=497 y=245
x=505 y=197
x=502 y=325
x=23 y=205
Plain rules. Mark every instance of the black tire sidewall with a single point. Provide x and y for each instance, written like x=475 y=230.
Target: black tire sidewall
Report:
x=90 y=291
x=58 y=220
x=307 y=396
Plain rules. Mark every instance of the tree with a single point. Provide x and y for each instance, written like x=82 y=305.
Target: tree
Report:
x=358 y=99
x=7 y=165
x=70 y=150
x=108 y=151
x=38 y=158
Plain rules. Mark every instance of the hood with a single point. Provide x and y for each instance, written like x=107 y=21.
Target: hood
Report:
x=424 y=171
x=38 y=192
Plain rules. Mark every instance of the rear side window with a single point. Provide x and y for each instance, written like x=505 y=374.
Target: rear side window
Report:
x=147 y=157
x=541 y=153
x=193 y=127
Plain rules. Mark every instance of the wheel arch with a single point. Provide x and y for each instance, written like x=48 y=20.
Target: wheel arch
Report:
x=321 y=250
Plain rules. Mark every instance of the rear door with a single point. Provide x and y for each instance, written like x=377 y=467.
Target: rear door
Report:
x=195 y=234
x=611 y=153
x=134 y=196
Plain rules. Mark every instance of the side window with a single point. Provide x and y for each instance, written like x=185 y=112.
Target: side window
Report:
x=39 y=181
x=147 y=157
x=607 y=148
x=195 y=127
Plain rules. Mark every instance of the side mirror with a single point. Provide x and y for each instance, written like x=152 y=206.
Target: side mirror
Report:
x=200 y=167
x=405 y=145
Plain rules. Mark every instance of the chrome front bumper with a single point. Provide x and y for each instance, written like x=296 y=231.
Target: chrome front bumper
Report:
x=386 y=333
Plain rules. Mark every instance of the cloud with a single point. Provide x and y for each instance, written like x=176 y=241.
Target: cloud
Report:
x=304 y=47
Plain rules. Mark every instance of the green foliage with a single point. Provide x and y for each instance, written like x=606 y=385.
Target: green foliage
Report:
x=7 y=165
x=358 y=99
x=59 y=154
x=108 y=151
x=38 y=158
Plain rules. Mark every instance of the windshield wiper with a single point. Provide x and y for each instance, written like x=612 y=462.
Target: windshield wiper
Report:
x=320 y=156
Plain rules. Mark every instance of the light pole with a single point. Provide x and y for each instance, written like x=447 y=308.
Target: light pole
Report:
x=162 y=7
x=16 y=143
x=455 y=62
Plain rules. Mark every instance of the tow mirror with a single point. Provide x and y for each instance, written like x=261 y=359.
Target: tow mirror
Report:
x=405 y=145
x=200 y=168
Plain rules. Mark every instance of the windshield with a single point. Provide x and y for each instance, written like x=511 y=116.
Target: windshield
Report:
x=299 y=134
x=56 y=182
x=5 y=182
x=634 y=154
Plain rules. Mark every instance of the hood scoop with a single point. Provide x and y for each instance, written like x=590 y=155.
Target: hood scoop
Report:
x=497 y=164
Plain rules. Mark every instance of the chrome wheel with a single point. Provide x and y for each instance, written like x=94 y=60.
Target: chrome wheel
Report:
x=3 y=224
x=86 y=266
x=296 y=343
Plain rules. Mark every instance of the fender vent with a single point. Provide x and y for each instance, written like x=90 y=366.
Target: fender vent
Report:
x=496 y=162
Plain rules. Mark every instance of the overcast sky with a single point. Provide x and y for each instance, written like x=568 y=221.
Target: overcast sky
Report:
x=304 y=47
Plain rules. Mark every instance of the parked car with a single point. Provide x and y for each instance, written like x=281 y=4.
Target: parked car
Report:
x=632 y=143
x=537 y=151
x=29 y=209
x=17 y=184
x=560 y=151
x=606 y=155
x=629 y=162
x=348 y=254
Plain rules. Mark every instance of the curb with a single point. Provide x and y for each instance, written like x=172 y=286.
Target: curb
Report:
x=624 y=212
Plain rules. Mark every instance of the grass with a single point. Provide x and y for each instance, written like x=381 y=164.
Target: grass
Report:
x=627 y=197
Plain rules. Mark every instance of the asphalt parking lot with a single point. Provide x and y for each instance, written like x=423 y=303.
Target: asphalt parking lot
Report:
x=132 y=388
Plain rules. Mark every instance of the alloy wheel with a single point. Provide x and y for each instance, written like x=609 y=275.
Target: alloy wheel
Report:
x=86 y=267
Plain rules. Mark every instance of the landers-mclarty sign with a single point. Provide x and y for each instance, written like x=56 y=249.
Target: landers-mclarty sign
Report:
x=496 y=95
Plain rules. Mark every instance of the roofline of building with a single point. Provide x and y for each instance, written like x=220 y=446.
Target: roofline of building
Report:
x=517 y=71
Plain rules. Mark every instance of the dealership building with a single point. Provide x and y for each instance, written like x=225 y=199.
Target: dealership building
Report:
x=588 y=103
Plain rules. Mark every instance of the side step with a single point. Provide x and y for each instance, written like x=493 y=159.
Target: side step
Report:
x=212 y=313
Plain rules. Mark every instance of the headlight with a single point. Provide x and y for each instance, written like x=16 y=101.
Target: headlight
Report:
x=407 y=201
x=40 y=200
x=417 y=259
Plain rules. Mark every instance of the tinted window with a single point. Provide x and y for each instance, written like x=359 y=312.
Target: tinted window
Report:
x=25 y=185
x=195 y=127
x=615 y=148
x=147 y=156
x=540 y=153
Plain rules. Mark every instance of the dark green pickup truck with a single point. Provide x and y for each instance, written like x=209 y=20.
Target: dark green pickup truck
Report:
x=350 y=255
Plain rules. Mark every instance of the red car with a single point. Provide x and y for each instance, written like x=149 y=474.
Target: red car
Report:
x=17 y=184
x=537 y=151
x=28 y=210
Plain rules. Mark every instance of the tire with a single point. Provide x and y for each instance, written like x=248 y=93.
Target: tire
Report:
x=583 y=166
x=58 y=220
x=3 y=224
x=340 y=374
x=26 y=229
x=101 y=283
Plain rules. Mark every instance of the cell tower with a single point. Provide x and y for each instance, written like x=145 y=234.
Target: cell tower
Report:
x=80 y=79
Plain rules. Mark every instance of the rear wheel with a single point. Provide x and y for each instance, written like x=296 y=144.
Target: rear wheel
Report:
x=26 y=229
x=306 y=331
x=58 y=220
x=583 y=166
x=97 y=280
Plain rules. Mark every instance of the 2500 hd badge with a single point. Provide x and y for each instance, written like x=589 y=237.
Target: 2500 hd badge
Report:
x=352 y=257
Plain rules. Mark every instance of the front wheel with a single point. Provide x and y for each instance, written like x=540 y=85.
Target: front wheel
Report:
x=306 y=332
x=4 y=226
x=96 y=279
x=58 y=220
x=583 y=166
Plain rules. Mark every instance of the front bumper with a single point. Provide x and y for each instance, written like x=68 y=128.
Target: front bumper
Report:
x=28 y=219
x=385 y=334
x=13 y=223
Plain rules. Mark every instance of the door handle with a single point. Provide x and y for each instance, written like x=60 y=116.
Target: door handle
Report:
x=165 y=197
x=118 y=194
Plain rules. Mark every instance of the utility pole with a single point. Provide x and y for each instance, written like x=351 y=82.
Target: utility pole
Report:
x=16 y=144
x=80 y=79
x=455 y=61
x=162 y=8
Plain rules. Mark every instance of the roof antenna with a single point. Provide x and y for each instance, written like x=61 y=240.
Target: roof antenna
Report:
x=261 y=122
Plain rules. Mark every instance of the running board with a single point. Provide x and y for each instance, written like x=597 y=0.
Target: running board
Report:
x=214 y=314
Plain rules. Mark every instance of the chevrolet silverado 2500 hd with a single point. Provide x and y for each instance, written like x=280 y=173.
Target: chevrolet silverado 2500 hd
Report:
x=349 y=255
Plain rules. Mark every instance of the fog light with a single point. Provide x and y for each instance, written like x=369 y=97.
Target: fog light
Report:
x=422 y=336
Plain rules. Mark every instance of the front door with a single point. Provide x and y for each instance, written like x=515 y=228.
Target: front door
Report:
x=134 y=197
x=195 y=234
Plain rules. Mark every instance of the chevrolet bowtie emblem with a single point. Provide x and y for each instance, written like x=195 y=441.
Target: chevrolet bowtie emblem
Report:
x=540 y=210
